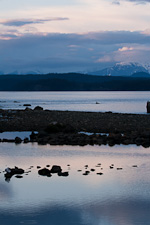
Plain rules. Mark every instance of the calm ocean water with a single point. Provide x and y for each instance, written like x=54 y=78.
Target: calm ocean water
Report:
x=125 y=102
x=118 y=197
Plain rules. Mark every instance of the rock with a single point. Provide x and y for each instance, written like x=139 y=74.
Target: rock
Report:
x=26 y=104
x=28 y=109
x=92 y=170
x=99 y=173
x=63 y=174
x=45 y=172
x=18 y=140
x=148 y=107
x=26 y=140
x=56 y=169
x=12 y=171
x=108 y=112
x=33 y=136
x=19 y=176
x=111 y=167
x=8 y=170
x=8 y=140
x=38 y=108
x=38 y=167
x=86 y=173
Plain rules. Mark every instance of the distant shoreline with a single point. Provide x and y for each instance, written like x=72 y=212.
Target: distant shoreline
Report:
x=73 y=82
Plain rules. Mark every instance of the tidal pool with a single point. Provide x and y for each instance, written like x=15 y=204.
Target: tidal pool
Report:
x=120 y=196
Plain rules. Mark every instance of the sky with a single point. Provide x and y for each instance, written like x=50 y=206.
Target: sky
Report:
x=72 y=35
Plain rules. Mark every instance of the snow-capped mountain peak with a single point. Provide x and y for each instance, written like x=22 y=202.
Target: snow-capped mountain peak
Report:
x=123 y=69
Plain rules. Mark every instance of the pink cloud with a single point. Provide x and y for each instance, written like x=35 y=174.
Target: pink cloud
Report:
x=124 y=49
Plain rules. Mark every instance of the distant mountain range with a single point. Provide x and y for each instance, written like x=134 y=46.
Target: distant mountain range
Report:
x=119 y=69
x=122 y=69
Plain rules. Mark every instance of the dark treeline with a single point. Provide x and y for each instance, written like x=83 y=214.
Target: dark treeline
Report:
x=72 y=82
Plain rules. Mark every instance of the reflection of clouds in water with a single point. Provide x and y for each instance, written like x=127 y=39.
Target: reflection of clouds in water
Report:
x=56 y=215
x=117 y=213
x=94 y=213
x=5 y=191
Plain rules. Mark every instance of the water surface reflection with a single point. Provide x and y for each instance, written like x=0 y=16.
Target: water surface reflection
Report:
x=118 y=197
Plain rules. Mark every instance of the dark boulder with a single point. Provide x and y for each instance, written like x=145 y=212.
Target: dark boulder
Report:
x=19 y=176
x=33 y=136
x=86 y=173
x=38 y=108
x=63 y=174
x=28 y=109
x=12 y=171
x=45 y=172
x=26 y=140
x=99 y=173
x=18 y=140
x=148 y=107
x=38 y=167
x=56 y=169
x=26 y=104
x=8 y=140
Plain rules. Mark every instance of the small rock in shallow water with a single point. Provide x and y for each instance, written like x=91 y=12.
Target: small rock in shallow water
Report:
x=86 y=173
x=45 y=172
x=99 y=173
x=38 y=167
x=18 y=140
x=18 y=176
x=26 y=104
x=13 y=171
x=63 y=174
x=111 y=167
x=56 y=169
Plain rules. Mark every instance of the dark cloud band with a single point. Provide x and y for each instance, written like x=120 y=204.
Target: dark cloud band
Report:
x=23 y=22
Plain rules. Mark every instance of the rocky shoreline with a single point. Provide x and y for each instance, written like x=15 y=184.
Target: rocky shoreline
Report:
x=64 y=127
